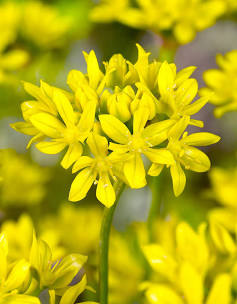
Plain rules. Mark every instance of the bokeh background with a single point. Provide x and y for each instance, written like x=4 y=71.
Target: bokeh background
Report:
x=34 y=183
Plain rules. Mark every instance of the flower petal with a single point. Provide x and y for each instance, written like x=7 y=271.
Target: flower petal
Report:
x=186 y=92
x=178 y=178
x=155 y=169
x=105 y=191
x=201 y=139
x=114 y=128
x=47 y=124
x=191 y=283
x=73 y=153
x=157 y=132
x=98 y=144
x=165 y=78
x=160 y=156
x=64 y=108
x=87 y=118
x=221 y=290
x=162 y=294
x=195 y=160
x=50 y=147
x=177 y=130
x=81 y=184
x=140 y=119
x=81 y=163
x=134 y=171
x=196 y=106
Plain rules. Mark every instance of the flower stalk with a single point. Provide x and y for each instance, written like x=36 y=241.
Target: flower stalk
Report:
x=104 y=244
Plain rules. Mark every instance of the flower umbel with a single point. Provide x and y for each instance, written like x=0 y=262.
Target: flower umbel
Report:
x=142 y=108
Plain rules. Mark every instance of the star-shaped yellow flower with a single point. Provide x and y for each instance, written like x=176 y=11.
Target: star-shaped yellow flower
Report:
x=142 y=141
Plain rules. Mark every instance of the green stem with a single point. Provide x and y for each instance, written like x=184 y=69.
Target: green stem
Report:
x=154 y=212
x=104 y=245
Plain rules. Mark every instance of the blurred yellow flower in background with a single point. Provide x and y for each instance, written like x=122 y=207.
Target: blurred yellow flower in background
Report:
x=183 y=17
x=21 y=176
x=222 y=84
x=195 y=271
x=43 y=19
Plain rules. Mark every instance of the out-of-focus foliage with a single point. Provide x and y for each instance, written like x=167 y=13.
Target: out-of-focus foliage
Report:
x=222 y=84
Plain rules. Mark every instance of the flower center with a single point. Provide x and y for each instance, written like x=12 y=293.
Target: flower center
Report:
x=136 y=143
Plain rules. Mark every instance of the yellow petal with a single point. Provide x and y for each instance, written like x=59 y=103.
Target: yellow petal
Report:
x=50 y=147
x=140 y=119
x=222 y=238
x=186 y=92
x=19 y=299
x=165 y=79
x=75 y=79
x=105 y=191
x=157 y=132
x=17 y=275
x=201 y=139
x=221 y=290
x=93 y=70
x=155 y=169
x=81 y=163
x=98 y=144
x=87 y=119
x=178 y=178
x=184 y=74
x=184 y=32
x=73 y=154
x=160 y=156
x=81 y=184
x=195 y=160
x=196 y=106
x=64 y=108
x=160 y=260
x=162 y=294
x=177 y=130
x=191 y=284
x=73 y=292
x=114 y=128
x=24 y=127
x=47 y=124
x=134 y=171
x=191 y=246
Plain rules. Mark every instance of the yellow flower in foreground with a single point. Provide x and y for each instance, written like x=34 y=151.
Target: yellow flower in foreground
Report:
x=13 y=279
x=100 y=166
x=222 y=84
x=153 y=99
x=184 y=154
x=142 y=141
x=68 y=132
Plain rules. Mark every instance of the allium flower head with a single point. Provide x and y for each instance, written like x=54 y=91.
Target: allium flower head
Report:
x=136 y=111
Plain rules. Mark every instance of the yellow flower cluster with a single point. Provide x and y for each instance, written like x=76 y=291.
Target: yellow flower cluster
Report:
x=23 y=279
x=113 y=119
x=199 y=268
x=226 y=195
x=20 y=176
x=183 y=17
x=222 y=84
